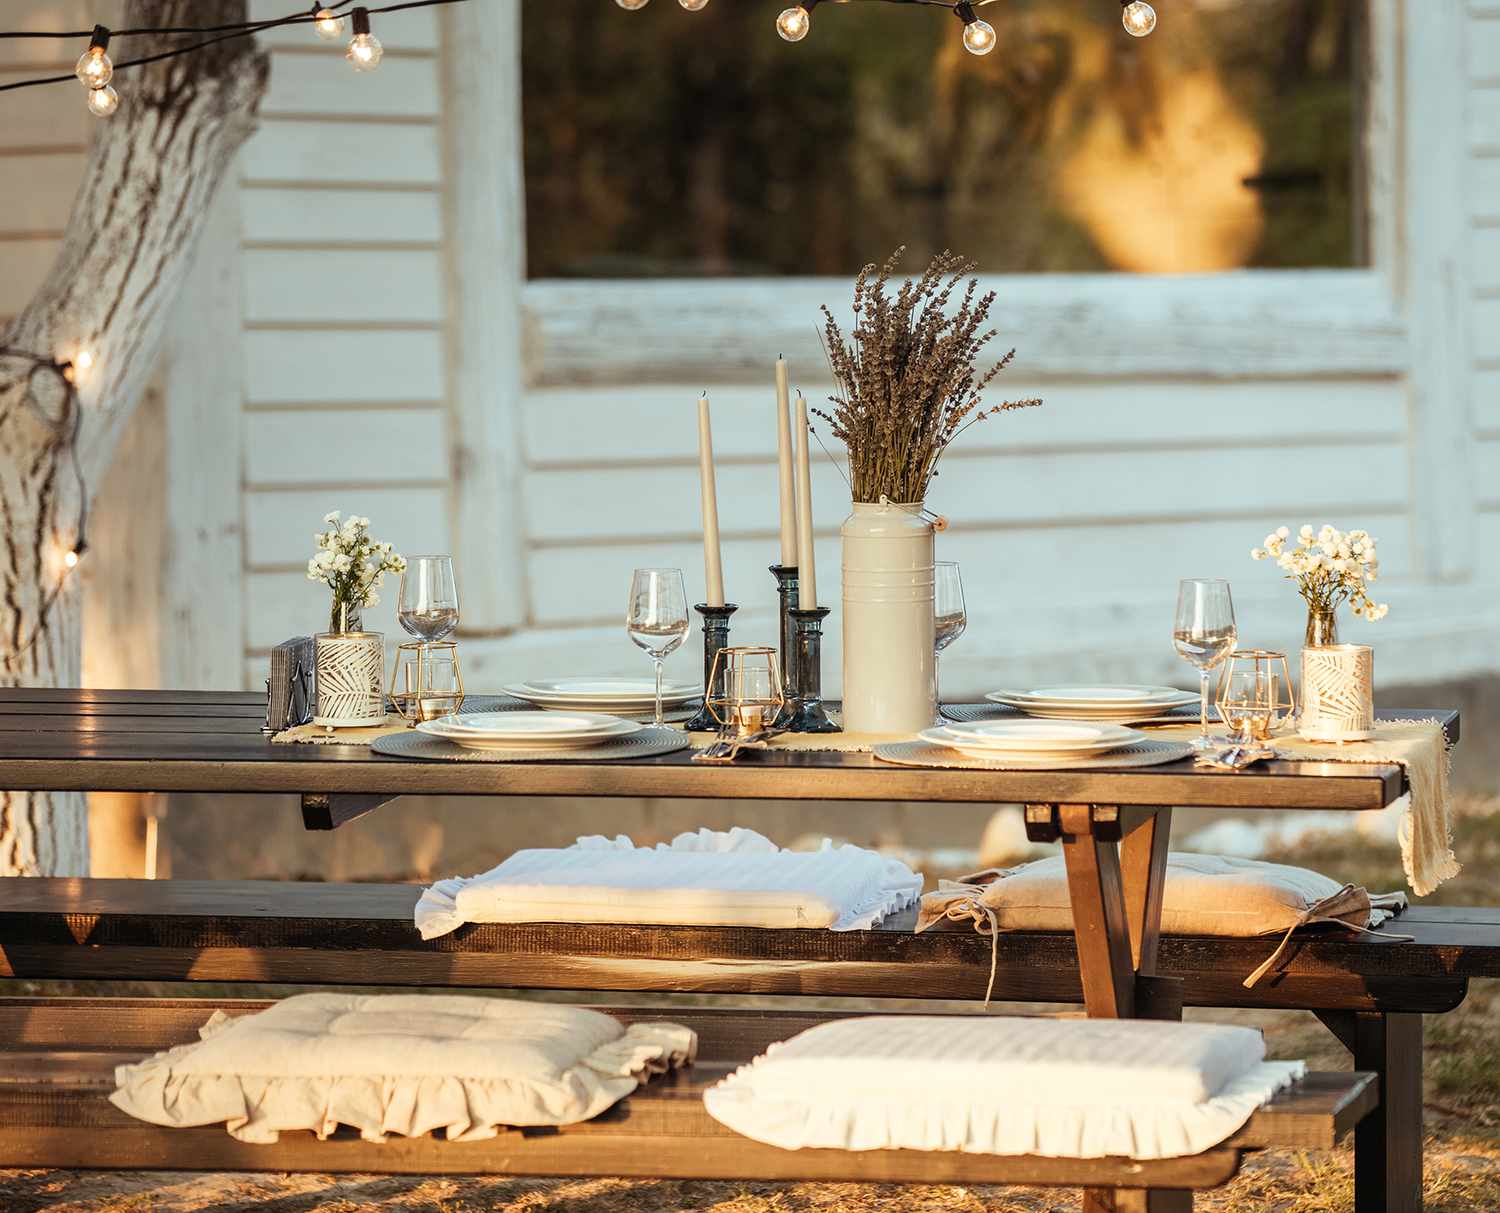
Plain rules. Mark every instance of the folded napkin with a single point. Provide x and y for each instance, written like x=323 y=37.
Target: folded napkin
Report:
x=708 y=878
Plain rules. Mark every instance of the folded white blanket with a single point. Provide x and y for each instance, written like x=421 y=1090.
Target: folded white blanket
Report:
x=710 y=878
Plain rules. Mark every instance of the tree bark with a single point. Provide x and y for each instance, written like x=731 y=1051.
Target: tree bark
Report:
x=152 y=170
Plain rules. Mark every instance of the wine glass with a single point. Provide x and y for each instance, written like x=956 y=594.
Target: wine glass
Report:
x=949 y=616
x=1204 y=634
x=657 y=617
x=428 y=603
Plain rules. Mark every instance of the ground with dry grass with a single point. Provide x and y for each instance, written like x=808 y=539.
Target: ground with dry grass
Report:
x=1463 y=1116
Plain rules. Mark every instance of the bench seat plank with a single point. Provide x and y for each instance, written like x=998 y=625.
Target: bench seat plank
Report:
x=360 y=934
x=54 y=1111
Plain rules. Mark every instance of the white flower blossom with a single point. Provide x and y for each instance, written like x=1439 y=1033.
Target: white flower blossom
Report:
x=1330 y=567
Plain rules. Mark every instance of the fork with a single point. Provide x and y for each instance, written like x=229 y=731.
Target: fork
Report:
x=727 y=749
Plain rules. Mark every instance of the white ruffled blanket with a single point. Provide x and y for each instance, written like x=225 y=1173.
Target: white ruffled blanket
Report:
x=1061 y=1088
x=708 y=878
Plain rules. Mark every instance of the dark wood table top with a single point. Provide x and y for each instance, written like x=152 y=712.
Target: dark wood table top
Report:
x=208 y=741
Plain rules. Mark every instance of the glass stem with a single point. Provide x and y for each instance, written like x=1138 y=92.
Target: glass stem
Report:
x=937 y=685
x=658 y=689
x=1203 y=703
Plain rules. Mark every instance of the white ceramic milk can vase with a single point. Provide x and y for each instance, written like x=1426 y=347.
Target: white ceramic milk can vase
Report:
x=889 y=659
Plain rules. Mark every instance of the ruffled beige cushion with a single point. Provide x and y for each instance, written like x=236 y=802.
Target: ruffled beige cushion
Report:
x=409 y=1064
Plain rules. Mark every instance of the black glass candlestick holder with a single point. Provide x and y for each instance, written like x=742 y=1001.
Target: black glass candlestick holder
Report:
x=786 y=589
x=807 y=712
x=715 y=637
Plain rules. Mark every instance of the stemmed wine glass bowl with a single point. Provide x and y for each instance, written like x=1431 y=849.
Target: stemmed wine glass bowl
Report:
x=949 y=618
x=1204 y=634
x=428 y=603
x=657 y=617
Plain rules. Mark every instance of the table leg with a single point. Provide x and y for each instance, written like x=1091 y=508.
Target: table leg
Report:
x=1117 y=922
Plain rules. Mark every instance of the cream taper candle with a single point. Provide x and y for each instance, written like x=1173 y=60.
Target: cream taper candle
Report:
x=784 y=466
x=713 y=561
x=807 y=573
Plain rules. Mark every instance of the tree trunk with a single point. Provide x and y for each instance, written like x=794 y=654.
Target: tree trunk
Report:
x=152 y=170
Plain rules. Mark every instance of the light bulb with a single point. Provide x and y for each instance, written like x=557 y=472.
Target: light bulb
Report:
x=794 y=23
x=1139 y=18
x=631 y=6
x=694 y=6
x=84 y=360
x=70 y=558
x=94 y=68
x=979 y=37
x=365 y=52
x=103 y=102
x=328 y=25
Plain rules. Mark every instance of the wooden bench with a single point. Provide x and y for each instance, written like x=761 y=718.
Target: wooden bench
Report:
x=54 y=1112
x=1371 y=992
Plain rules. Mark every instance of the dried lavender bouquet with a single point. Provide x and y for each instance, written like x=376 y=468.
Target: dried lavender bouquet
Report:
x=908 y=380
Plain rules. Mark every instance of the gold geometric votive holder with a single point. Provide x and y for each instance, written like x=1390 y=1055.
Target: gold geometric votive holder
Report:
x=1338 y=693
x=426 y=681
x=1270 y=702
x=745 y=691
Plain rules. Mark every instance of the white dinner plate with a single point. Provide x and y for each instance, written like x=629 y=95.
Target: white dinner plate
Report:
x=616 y=693
x=528 y=730
x=1100 y=694
x=1034 y=736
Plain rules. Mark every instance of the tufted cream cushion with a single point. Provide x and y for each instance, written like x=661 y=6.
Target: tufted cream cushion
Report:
x=1063 y=1088
x=399 y=1063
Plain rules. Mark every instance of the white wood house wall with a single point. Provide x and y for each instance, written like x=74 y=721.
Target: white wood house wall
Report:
x=361 y=335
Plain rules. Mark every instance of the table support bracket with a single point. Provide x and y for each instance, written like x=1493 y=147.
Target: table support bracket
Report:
x=329 y=810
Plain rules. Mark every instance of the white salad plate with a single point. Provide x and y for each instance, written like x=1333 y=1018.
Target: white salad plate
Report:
x=528 y=730
x=1033 y=737
x=616 y=694
x=1122 y=698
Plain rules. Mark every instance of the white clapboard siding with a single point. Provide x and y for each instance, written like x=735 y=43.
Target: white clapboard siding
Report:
x=51 y=181
x=23 y=266
x=334 y=153
x=327 y=218
x=412 y=30
x=1485 y=319
x=987 y=490
x=576 y=427
x=1489 y=472
x=282 y=605
x=1485 y=245
x=1057 y=564
x=38 y=15
x=344 y=447
x=280 y=525
x=311 y=367
x=1484 y=181
x=342 y=286
x=1484 y=120
x=1484 y=52
x=324 y=85
x=1487 y=402
x=37 y=119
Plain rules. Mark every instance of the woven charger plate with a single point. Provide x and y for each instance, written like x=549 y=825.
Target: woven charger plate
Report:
x=647 y=742
x=967 y=712
x=925 y=754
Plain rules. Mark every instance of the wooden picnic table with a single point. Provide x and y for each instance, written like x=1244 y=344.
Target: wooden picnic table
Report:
x=1113 y=825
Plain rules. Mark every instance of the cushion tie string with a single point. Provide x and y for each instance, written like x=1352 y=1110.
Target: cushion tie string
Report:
x=1316 y=914
x=986 y=922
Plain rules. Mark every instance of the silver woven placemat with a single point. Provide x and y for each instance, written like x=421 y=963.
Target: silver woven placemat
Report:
x=925 y=754
x=966 y=712
x=644 y=744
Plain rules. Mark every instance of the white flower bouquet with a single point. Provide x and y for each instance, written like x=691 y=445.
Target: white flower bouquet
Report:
x=1330 y=567
x=353 y=566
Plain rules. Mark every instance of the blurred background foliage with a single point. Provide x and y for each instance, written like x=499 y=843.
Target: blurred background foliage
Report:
x=668 y=143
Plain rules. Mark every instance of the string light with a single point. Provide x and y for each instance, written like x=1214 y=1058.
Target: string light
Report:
x=1138 y=17
x=365 y=51
x=94 y=70
x=694 y=6
x=327 y=24
x=631 y=6
x=103 y=101
x=794 y=23
x=979 y=36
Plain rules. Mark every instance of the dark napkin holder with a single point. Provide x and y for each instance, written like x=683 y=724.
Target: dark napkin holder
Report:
x=289 y=689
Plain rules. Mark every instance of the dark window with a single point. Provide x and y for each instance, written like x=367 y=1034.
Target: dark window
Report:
x=670 y=143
